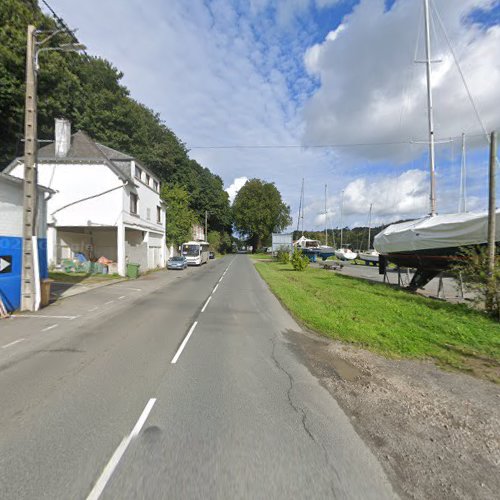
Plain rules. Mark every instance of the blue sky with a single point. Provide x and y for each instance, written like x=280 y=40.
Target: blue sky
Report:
x=301 y=73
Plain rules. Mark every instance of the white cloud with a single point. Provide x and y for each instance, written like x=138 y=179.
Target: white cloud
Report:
x=233 y=189
x=372 y=92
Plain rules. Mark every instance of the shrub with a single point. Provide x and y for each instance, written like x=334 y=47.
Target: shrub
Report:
x=299 y=260
x=283 y=256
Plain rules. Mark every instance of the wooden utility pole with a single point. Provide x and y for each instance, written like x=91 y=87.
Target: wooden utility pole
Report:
x=28 y=285
x=206 y=225
x=492 y=207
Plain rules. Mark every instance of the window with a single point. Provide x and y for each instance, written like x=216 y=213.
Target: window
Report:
x=156 y=186
x=138 y=172
x=134 y=202
x=148 y=179
x=158 y=215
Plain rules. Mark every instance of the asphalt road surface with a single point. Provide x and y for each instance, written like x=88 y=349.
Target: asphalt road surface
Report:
x=178 y=385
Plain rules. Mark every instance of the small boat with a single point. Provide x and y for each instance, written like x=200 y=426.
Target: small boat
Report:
x=308 y=247
x=345 y=254
x=326 y=251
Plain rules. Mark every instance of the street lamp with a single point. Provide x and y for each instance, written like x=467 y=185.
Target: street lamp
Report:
x=30 y=279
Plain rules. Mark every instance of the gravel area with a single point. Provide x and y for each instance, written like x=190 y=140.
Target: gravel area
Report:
x=436 y=433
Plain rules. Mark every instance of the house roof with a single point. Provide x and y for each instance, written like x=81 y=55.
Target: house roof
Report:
x=16 y=180
x=84 y=149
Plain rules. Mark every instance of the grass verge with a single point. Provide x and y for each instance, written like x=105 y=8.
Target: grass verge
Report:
x=81 y=277
x=386 y=320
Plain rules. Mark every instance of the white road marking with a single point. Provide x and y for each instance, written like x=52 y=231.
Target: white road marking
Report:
x=221 y=278
x=108 y=302
x=206 y=304
x=184 y=342
x=118 y=454
x=71 y=318
x=92 y=309
x=122 y=297
x=49 y=328
x=215 y=289
x=129 y=288
x=12 y=343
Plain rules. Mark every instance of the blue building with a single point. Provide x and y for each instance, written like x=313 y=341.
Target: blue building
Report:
x=11 y=241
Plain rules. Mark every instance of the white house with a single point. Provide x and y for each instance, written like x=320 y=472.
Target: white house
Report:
x=106 y=202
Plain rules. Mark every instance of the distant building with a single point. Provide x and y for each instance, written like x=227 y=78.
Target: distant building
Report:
x=282 y=241
x=198 y=233
x=106 y=202
x=11 y=239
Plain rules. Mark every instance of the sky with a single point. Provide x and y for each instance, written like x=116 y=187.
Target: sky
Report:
x=322 y=90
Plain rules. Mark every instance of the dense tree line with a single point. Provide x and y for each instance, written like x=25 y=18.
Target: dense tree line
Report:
x=88 y=91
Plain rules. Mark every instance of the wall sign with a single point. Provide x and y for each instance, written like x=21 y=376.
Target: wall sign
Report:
x=5 y=264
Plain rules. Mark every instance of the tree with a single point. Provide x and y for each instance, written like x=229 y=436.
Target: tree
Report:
x=258 y=210
x=180 y=218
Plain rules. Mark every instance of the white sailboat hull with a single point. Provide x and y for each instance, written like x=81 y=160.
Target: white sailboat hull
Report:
x=369 y=256
x=345 y=254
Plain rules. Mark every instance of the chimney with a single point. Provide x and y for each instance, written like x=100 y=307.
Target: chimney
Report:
x=62 y=137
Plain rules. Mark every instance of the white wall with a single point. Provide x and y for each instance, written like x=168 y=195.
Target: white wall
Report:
x=11 y=210
x=102 y=243
x=74 y=182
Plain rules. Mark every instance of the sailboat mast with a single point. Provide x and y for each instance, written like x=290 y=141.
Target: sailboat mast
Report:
x=326 y=219
x=300 y=208
x=302 y=203
x=341 y=221
x=428 y=64
x=462 y=203
x=369 y=227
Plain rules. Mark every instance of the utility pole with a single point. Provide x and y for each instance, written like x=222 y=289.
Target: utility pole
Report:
x=206 y=225
x=492 y=220
x=428 y=62
x=326 y=220
x=29 y=277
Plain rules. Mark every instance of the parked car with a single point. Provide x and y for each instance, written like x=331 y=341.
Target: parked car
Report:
x=211 y=255
x=177 y=262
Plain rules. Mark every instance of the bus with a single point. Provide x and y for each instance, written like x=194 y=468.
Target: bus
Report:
x=196 y=252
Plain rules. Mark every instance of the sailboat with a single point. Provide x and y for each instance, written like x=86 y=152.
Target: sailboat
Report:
x=344 y=252
x=370 y=256
x=326 y=251
x=433 y=243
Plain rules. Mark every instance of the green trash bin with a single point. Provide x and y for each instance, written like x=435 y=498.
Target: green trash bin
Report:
x=133 y=270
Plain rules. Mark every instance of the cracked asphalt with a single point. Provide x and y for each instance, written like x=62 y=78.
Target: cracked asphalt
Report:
x=231 y=412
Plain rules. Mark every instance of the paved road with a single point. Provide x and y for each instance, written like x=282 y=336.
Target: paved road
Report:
x=177 y=386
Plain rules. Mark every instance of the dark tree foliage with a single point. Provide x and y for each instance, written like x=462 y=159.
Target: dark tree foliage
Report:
x=258 y=210
x=88 y=91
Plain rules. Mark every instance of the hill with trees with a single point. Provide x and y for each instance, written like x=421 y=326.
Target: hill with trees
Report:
x=88 y=91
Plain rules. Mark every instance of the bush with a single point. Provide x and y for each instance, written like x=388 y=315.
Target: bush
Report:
x=299 y=260
x=283 y=256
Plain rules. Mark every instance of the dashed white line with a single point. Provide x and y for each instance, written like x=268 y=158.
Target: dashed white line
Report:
x=44 y=317
x=92 y=309
x=12 y=343
x=122 y=297
x=221 y=278
x=118 y=454
x=108 y=302
x=49 y=328
x=184 y=342
x=206 y=304
x=215 y=289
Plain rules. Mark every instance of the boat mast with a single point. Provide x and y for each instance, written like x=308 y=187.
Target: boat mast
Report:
x=428 y=63
x=301 y=210
x=341 y=221
x=462 y=203
x=326 y=219
x=369 y=227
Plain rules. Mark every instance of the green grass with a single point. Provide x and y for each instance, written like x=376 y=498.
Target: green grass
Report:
x=386 y=320
x=260 y=256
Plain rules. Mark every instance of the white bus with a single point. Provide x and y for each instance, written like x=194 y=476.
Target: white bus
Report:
x=196 y=252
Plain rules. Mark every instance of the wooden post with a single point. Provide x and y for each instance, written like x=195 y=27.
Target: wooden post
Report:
x=492 y=222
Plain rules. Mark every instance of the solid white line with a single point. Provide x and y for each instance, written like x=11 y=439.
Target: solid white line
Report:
x=118 y=454
x=108 y=302
x=12 y=343
x=129 y=288
x=214 y=290
x=45 y=317
x=122 y=297
x=184 y=342
x=206 y=304
x=221 y=278
x=49 y=328
x=92 y=309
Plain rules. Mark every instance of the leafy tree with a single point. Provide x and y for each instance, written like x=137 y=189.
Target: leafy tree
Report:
x=180 y=218
x=214 y=240
x=258 y=210
x=299 y=260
